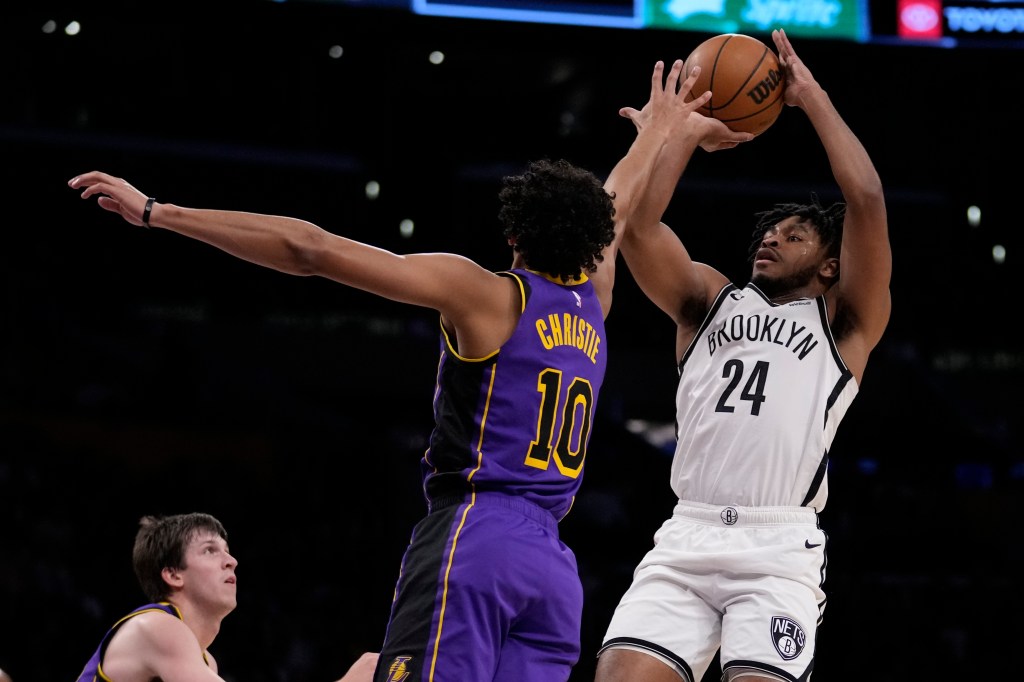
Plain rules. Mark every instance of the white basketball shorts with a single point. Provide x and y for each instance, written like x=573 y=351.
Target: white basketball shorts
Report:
x=746 y=580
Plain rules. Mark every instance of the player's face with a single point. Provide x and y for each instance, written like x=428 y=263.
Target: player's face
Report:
x=210 y=572
x=789 y=256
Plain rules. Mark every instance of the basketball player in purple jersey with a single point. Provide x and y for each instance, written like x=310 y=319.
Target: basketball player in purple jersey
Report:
x=766 y=373
x=184 y=567
x=487 y=590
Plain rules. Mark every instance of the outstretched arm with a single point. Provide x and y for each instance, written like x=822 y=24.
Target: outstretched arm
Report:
x=631 y=178
x=436 y=280
x=865 y=266
x=654 y=253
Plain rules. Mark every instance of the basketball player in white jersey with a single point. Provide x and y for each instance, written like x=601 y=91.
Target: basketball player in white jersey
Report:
x=766 y=373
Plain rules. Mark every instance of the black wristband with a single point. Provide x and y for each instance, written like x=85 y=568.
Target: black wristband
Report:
x=146 y=211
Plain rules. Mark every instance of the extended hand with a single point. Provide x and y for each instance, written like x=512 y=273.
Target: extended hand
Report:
x=115 y=194
x=668 y=108
x=798 y=77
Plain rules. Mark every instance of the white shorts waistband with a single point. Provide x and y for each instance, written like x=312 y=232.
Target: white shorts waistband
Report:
x=735 y=515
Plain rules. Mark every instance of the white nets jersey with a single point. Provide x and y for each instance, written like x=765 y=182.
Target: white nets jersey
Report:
x=761 y=392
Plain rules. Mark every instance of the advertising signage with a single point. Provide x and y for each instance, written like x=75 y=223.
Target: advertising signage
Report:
x=839 y=19
x=942 y=23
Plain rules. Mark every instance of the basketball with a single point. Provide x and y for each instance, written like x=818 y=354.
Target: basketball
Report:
x=745 y=80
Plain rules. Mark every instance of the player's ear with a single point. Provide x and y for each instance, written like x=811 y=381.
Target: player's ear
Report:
x=830 y=269
x=172 y=576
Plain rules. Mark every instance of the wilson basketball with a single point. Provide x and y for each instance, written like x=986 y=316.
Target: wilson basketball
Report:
x=745 y=80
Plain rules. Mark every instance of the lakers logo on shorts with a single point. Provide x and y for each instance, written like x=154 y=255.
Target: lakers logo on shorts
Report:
x=398 y=671
x=788 y=637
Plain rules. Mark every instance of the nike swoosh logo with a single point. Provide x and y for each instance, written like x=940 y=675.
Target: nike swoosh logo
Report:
x=808 y=545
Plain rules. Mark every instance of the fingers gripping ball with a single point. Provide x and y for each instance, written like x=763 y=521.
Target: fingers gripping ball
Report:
x=745 y=80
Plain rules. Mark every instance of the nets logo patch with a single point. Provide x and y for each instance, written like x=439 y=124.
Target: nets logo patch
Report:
x=788 y=637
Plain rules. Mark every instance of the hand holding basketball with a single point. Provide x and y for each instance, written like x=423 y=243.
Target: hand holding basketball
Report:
x=745 y=80
x=797 y=76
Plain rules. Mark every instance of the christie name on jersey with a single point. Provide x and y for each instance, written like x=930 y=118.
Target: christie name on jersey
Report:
x=569 y=330
x=767 y=329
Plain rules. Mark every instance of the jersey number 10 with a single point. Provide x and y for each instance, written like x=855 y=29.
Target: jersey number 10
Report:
x=568 y=447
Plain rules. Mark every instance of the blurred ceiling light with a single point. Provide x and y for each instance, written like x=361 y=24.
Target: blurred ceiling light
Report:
x=372 y=190
x=973 y=216
x=73 y=28
x=406 y=227
x=50 y=26
x=436 y=57
x=335 y=52
x=999 y=254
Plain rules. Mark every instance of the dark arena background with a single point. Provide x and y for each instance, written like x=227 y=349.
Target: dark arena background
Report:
x=146 y=373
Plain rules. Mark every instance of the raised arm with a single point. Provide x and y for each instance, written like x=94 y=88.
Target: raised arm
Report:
x=630 y=179
x=862 y=294
x=654 y=253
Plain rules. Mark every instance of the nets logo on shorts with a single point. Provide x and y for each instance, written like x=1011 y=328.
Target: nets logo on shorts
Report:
x=729 y=516
x=788 y=637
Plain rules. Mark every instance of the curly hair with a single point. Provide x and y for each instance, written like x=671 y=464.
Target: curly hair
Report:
x=161 y=543
x=558 y=216
x=827 y=222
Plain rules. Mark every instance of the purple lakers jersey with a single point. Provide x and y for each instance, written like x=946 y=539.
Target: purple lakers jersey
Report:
x=519 y=420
